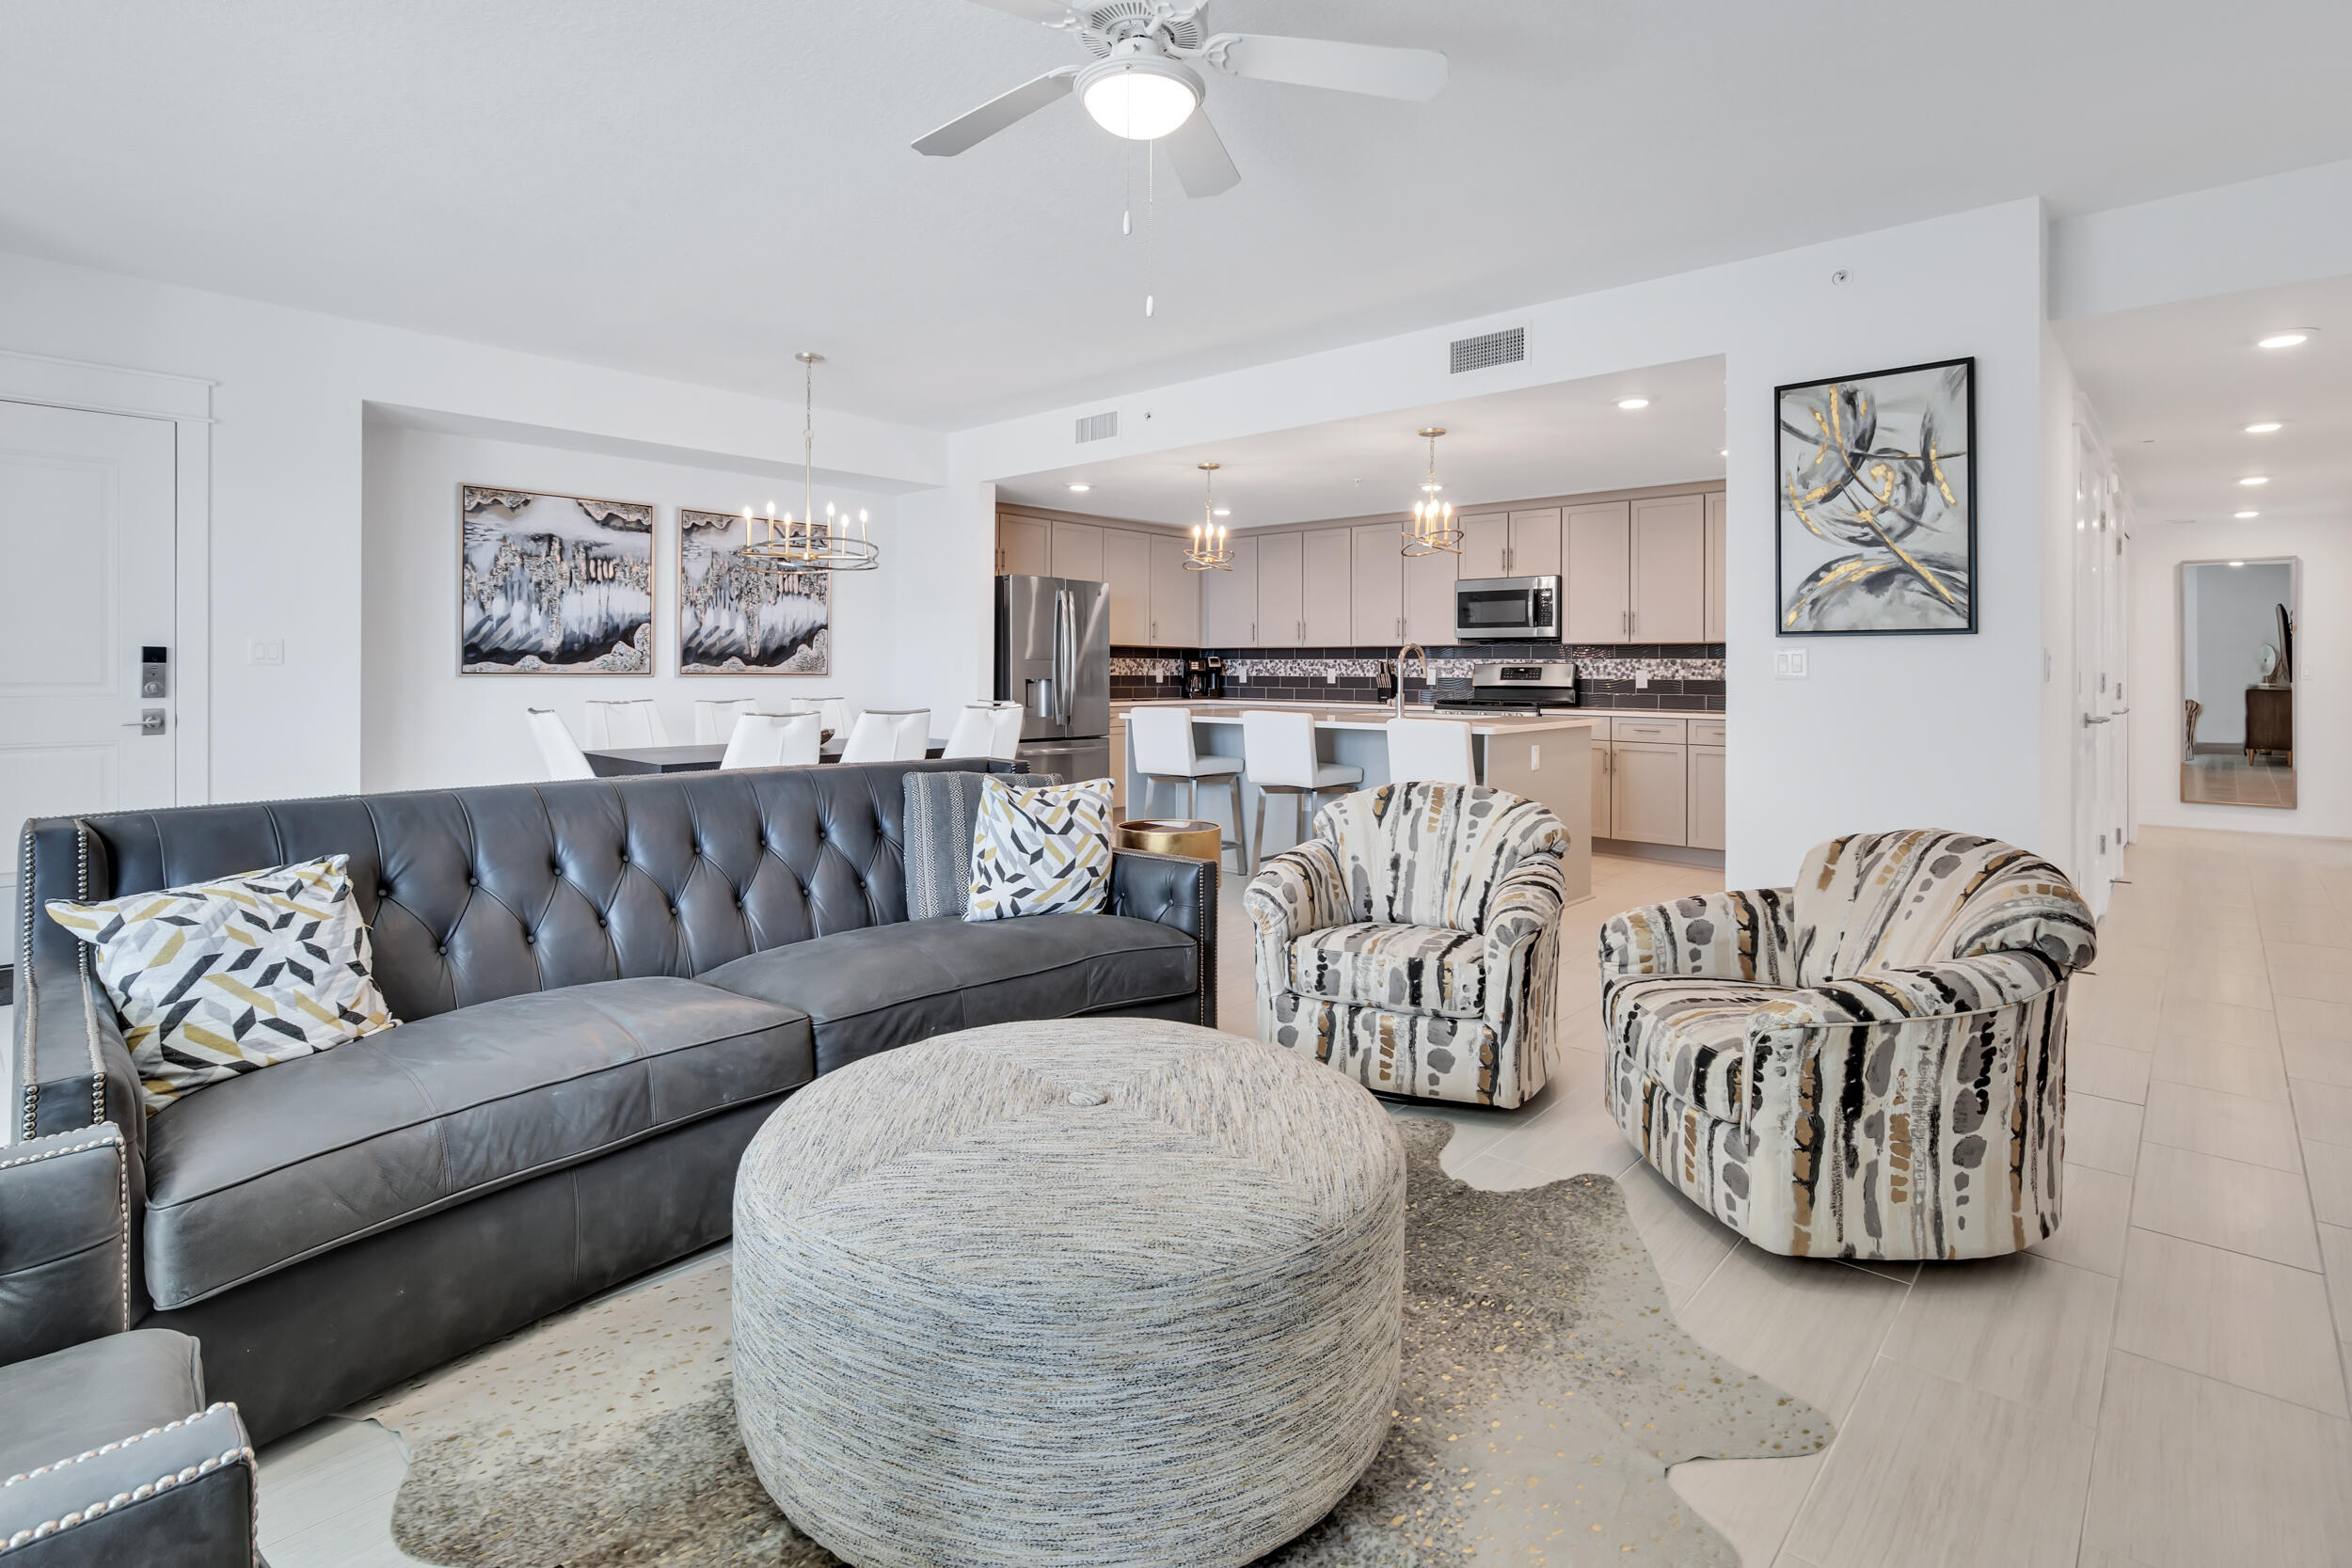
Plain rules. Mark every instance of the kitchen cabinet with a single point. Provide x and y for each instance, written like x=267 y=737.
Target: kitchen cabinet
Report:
x=1281 y=590
x=1376 y=605
x=1705 y=795
x=1127 y=567
x=1485 y=543
x=1175 y=595
x=1022 y=547
x=1535 y=546
x=1598 y=546
x=1648 y=791
x=1077 y=551
x=1327 y=605
x=1429 y=598
x=1715 y=596
x=1603 y=818
x=1228 y=600
x=1668 y=576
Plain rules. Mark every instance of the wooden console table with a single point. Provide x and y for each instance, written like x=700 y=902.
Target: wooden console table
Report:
x=2270 y=721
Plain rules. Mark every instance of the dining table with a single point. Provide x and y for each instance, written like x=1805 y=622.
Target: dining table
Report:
x=614 y=762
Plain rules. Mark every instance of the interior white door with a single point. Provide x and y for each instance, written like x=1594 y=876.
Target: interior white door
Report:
x=88 y=536
x=2095 y=852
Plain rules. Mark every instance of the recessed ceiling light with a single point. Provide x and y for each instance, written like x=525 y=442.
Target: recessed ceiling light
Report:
x=2292 y=337
x=2264 y=427
x=1628 y=405
x=2255 y=479
x=1080 y=489
x=2237 y=563
x=2241 y=517
x=1221 y=512
x=1725 y=452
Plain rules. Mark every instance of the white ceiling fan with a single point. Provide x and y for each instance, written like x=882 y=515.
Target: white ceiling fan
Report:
x=1144 y=82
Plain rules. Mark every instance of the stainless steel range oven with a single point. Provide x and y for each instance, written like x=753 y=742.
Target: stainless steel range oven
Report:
x=1506 y=610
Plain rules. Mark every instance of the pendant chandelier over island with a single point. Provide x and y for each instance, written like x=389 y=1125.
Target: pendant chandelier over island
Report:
x=1209 y=551
x=1432 y=528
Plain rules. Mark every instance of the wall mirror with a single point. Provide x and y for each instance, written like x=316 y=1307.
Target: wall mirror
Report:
x=2238 y=644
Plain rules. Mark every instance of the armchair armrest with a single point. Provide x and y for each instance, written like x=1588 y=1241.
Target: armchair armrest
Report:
x=1525 y=909
x=179 y=1494
x=1302 y=889
x=65 y=1240
x=1173 y=890
x=1945 y=989
x=1713 y=936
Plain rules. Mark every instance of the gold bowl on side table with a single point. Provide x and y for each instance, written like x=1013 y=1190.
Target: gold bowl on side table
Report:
x=1173 y=835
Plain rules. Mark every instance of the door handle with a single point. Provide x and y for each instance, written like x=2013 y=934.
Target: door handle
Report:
x=150 y=721
x=2088 y=721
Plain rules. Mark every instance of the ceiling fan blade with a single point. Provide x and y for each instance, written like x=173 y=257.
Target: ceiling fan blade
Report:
x=998 y=113
x=1198 y=155
x=1052 y=12
x=1384 y=72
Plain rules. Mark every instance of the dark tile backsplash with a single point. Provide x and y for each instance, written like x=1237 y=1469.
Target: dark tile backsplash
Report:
x=1688 y=675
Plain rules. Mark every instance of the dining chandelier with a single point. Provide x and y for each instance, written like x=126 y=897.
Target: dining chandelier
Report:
x=1432 y=528
x=1209 y=552
x=833 y=543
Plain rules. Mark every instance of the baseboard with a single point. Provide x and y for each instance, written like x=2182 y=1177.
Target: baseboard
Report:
x=1672 y=854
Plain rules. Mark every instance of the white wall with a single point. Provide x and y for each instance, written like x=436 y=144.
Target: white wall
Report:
x=1937 y=730
x=2288 y=228
x=2323 y=652
x=424 y=725
x=2234 y=613
x=286 y=466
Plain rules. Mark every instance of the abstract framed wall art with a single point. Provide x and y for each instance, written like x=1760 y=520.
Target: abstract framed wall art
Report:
x=1877 y=501
x=739 y=617
x=553 y=585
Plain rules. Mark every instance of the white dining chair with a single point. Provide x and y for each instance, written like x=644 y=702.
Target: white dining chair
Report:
x=633 y=722
x=1430 y=751
x=1165 y=755
x=559 y=753
x=774 y=740
x=832 y=711
x=874 y=737
x=990 y=730
x=715 y=717
x=1278 y=750
x=915 y=735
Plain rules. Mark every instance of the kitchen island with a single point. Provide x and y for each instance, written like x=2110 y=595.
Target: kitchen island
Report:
x=1546 y=759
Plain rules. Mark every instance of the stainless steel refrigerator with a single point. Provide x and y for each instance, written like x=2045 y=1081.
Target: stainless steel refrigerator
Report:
x=1054 y=657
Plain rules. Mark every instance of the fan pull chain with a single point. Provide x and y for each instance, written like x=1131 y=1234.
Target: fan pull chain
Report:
x=1150 y=223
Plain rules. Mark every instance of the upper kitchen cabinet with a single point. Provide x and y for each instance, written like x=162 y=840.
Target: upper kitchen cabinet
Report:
x=1327 y=604
x=1716 y=618
x=1429 y=597
x=1377 y=604
x=1668 y=595
x=1599 y=573
x=1022 y=547
x=1228 y=600
x=1175 y=595
x=1487 y=543
x=1077 y=551
x=1281 y=590
x=1535 y=546
x=1127 y=567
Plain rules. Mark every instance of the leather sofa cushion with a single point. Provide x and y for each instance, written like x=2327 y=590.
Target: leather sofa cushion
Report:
x=870 y=989
x=275 y=1166
x=99 y=1391
x=1404 y=969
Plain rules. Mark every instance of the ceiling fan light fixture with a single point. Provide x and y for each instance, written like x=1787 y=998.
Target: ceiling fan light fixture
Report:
x=1140 y=95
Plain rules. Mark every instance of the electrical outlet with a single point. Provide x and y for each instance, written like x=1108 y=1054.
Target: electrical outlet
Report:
x=1788 y=664
x=266 y=651
x=1331 y=677
x=1641 y=680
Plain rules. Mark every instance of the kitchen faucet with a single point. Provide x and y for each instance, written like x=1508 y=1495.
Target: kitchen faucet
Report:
x=1418 y=652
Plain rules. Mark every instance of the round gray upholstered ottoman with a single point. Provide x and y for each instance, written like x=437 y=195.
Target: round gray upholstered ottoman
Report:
x=1082 y=1292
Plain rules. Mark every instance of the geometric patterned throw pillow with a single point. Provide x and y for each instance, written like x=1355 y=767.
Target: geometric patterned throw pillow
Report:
x=1040 y=851
x=228 y=976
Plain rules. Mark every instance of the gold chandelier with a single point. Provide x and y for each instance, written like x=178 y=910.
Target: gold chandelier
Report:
x=809 y=543
x=1432 y=528
x=1209 y=552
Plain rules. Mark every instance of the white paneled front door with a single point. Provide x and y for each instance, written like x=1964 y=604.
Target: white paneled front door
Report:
x=86 y=575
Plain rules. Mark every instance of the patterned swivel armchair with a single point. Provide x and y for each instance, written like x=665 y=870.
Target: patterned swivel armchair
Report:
x=1869 y=1065
x=1413 y=942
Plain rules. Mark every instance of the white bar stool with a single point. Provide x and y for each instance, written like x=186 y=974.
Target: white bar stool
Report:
x=1430 y=751
x=1280 y=752
x=715 y=717
x=1162 y=737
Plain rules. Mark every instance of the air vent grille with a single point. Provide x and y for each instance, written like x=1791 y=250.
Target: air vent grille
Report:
x=1099 y=427
x=1493 y=348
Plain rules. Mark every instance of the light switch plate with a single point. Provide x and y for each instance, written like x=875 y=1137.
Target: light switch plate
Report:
x=266 y=651
x=1788 y=664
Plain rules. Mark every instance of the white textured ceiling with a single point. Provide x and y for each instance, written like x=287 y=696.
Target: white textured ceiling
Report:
x=2175 y=386
x=1562 y=439
x=694 y=188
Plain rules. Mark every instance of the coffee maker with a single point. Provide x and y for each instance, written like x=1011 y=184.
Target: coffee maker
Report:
x=1204 y=675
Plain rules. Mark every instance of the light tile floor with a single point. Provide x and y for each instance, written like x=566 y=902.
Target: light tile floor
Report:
x=2160 y=1384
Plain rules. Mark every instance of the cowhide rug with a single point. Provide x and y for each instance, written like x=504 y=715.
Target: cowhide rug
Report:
x=1545 y=1390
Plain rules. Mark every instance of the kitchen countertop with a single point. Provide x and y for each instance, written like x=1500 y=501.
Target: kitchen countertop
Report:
x=1372 y=716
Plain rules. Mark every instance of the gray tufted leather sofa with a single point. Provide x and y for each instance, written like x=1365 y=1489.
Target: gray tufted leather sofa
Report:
x=606 y=986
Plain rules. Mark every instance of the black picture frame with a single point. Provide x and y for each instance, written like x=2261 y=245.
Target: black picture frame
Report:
x=1912 y=565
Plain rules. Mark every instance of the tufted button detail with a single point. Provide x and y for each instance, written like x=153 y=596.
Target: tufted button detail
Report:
x=602 y=922
x=470 y=883
x=529 y=938
x=443 y=949
x=383 y=893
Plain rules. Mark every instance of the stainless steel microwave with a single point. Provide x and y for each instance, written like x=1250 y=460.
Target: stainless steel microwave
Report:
x=1506 y=610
